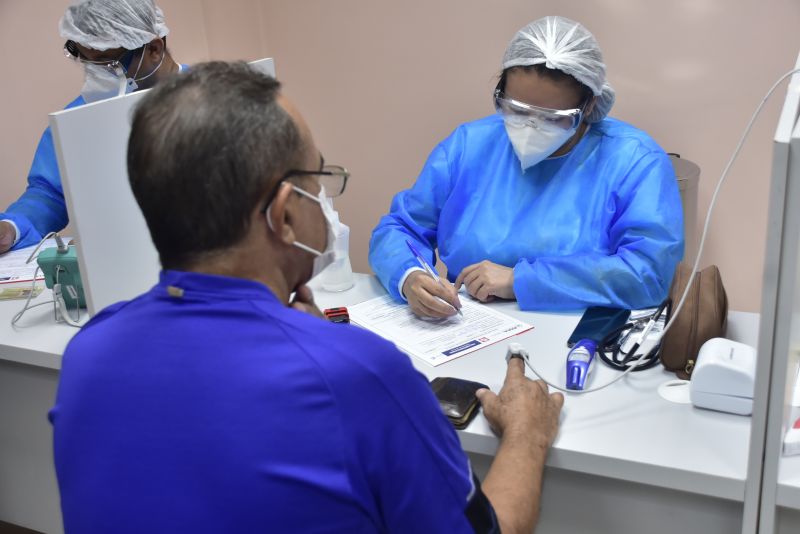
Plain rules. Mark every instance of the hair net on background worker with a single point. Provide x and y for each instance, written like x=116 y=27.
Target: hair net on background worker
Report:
x=106 y=24
x=563 y=44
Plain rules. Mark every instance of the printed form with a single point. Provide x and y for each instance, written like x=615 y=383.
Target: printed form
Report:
x=436 y=341
x=13 y=267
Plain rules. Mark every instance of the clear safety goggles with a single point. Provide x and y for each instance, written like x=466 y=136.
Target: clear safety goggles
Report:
x=522 y=114
x=71 y=52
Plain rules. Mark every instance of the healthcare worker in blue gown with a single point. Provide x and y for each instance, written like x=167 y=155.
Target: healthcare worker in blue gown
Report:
x=122 y=47
x=548 y=201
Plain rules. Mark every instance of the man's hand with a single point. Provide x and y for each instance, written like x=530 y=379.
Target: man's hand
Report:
x=7 y=235
x=525 y=416
x=523 y=410
x=487 y=280
x=304 y=302
x=427 y=298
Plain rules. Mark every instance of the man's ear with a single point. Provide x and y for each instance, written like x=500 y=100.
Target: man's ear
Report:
x=280 y=215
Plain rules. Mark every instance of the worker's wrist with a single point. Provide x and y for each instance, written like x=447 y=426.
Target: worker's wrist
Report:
x=404 y=278
x=16 y=230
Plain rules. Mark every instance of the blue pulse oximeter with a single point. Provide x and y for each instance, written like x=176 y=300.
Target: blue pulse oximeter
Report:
x=580 y=362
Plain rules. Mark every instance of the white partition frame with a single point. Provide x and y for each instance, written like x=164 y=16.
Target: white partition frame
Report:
x=786 y=344
x=777 y=305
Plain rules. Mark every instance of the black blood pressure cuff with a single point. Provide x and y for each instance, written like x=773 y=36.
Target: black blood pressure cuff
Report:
x=480 y=513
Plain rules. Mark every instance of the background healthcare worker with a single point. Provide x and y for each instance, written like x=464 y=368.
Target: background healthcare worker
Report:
x=548 y=201
x=122 y=46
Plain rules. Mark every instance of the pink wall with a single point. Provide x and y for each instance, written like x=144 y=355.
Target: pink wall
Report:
x=382 y=82
x=36 y=79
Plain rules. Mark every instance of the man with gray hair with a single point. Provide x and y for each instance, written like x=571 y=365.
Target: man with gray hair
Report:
x=122 y=46
x=218 y=402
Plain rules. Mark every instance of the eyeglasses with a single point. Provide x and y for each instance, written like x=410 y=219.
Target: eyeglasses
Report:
x=332 y=177
x=71 y=52
x=521 y=114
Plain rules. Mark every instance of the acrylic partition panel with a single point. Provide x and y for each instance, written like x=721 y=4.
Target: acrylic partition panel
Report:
x=780 y=267
x=116 y=256
x=780 y=509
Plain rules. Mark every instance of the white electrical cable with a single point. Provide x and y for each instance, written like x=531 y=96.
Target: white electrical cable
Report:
x=58 y=298
x=635 y=363
x=45 y=238
x=757 y=112
x=631 y=366
x=63 y=312
x=27 y=306
x=62 y=308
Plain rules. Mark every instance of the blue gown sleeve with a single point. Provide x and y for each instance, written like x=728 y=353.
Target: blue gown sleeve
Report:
x=41 y=208
x=647 y=235
x=414 y=216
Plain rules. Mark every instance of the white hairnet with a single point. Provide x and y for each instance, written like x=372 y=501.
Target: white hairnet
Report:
x=106 y=24
x=563 y=44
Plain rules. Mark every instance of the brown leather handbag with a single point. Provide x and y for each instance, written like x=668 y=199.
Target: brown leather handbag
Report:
x=704 y=315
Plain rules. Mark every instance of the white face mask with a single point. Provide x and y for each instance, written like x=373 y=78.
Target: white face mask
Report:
x=100 y=83
x=325 y=258
x=532 y=144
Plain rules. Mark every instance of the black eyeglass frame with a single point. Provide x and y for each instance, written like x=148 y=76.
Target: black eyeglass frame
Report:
x=71 y=52
x=326 y=170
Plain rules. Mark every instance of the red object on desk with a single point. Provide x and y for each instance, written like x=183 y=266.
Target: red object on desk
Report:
x=337 y=315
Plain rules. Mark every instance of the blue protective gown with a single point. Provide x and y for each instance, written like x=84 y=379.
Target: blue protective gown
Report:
x=41 y=208
x=222 y=410
x=601 y=225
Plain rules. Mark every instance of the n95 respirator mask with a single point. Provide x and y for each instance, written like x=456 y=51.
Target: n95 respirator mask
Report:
x=534 y=142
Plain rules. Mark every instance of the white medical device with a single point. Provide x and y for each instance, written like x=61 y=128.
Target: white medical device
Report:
x=724 y=377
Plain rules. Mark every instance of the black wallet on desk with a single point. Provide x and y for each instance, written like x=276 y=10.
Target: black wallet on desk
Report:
x=457 y=399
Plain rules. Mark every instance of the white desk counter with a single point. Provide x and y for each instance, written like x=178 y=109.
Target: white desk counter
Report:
x=37 y=339
x=625 y=431
x=634 y=461
x=618 y=448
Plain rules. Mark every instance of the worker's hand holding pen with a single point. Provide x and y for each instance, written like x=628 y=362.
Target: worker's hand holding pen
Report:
x=434 y=297
x=429 y=298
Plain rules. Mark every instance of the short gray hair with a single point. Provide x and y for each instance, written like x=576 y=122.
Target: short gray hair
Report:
x=205 y=147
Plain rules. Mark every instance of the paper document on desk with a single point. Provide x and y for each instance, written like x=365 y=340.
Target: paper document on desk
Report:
x=436 y=341
x=13 y=267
